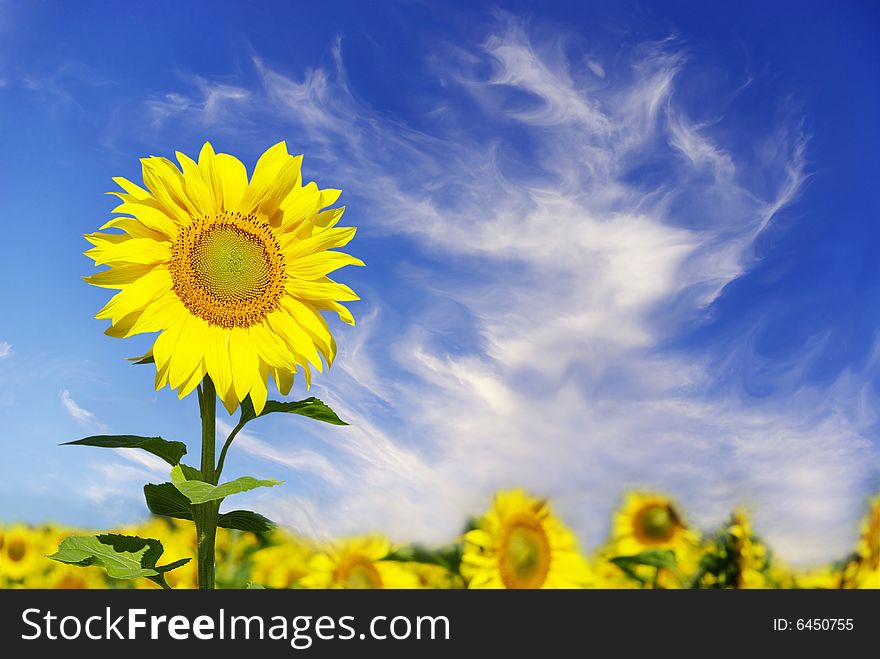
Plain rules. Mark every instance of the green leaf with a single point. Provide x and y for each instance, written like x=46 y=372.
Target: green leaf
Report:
x=191 y=473
x=629 y=571
x=254 y=586
x=122 y=556
x=245 y=520
x=662 y=558
x=146 y=359
x=167 y=500
x=448 y=557
x=201 y=492
x=310 y=407
x=170 y=452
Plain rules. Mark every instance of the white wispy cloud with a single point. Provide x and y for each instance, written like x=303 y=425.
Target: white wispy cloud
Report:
x=212 y=101
x=5 y=349
x=297 y=459
x=563 y=276
x=73 y=409
x=83 y=416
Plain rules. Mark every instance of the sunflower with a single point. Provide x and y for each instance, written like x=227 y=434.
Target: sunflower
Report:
x=281 y=565
x=869 y=542
x=69 y=577
x=821 y=578
x=178 y=540
x=20 y=555
x=433 y=576
x=863 y=571
x=752 y=557
x=232 y=273
x=358 y=563
x=519 y=543
x=650 y=521
x=736 y=558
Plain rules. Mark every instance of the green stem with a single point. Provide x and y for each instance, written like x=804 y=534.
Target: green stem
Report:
x=209 y=429
x=226 y=448
x=205 y=515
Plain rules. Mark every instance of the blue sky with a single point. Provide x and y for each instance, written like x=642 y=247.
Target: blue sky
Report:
x=609 y=245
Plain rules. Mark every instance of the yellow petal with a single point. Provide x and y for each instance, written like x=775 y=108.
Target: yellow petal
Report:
x=211 y=174
x=137 y=295
x=328 y=197
x=119 y=276
x=193 y=381
x=286 y=178
x=189 y=350
x=165 y=182
x=295 y=336
x=235 y=181
x=283 y=380
x=267 y=169
x=310 y=320
x=315 y=266
x=163 y=347
x=152 y=218
x=269 y=347
x=155 y=317
x=329 y=218
x=103 y=239
x=133 y=250
x=217 y=358
x=322 y=289
x=244 y=361
x=230 y=400
x=132 y=189
x=340 y=310
x=197 y=190
x=134 y=228
x=295 y=247
x=259 y=391
x=300 y=204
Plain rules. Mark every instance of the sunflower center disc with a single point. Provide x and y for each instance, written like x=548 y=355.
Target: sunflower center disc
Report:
x=16 y=550
x=228 y=270
x=359 y=573
x=231 y=264
x=525 y=553
x=655 y=524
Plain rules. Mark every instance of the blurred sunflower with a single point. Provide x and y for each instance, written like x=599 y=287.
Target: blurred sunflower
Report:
x=434 y=576
x=60 y=576
x=863 y=571
x=519 y=543
x=20 y=555
x=823 y=577
x=178 y=539
x=231 y=272
x=358 y=563
x=736 y=558
x=282 y=565
x=752 y=557
x=650 y=521
x=869 y=542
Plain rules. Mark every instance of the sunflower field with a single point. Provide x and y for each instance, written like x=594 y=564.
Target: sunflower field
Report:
x=518 y=543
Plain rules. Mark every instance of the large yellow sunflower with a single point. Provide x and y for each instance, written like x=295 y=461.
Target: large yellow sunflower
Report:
x=358 y=563
x=21 y=554
x=519 y=543
x=231 y=272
